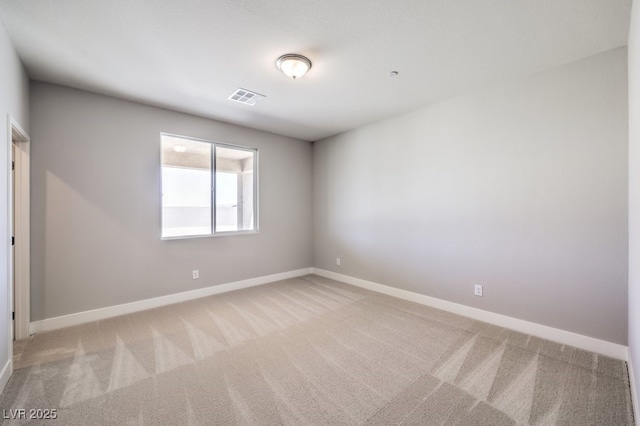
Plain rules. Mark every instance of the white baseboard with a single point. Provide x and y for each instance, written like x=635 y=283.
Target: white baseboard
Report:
x=5 y=374
x=603 y=347
x=634 y=389
x=141 y=305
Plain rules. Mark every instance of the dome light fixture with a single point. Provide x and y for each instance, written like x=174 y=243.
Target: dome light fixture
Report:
x=293 y=65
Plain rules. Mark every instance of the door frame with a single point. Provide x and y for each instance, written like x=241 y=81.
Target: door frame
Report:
x=18 y=268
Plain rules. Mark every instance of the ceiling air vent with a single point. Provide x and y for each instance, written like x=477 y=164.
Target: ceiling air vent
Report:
x=245 y=96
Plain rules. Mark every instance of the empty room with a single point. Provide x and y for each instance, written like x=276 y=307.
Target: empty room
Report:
x=303 y=212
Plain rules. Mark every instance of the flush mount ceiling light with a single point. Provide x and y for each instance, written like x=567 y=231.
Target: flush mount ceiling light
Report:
x=293 y=65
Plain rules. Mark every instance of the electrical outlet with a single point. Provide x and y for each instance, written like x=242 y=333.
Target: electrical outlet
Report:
x=478 y=290
x=196 y=274
x=338 y=261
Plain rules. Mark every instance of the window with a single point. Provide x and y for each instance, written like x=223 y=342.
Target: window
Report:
x=207 y=188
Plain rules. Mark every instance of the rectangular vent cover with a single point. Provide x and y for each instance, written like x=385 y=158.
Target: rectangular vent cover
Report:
x=245 y=96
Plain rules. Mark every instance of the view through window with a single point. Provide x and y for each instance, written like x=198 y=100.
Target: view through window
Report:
x=207 y=187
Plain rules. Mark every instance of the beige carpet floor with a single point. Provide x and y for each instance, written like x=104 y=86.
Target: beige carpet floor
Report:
x=310 y=351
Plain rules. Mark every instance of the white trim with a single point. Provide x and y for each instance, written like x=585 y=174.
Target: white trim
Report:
x=632 y=385
x=13 y=129
x=141 y=305
x=5 y=374
x=9 y=257
x=21 y=252
x=603 y=347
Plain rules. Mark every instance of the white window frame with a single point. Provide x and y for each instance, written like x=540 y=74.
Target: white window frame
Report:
x=256 y=205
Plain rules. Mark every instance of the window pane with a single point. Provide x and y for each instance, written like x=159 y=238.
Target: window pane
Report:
x=226 y=201
x=235 y=209
x=186 y=187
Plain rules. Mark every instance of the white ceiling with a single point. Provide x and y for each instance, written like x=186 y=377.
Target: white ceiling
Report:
x=190 y=55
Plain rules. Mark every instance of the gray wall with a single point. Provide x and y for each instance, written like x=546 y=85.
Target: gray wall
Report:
x=634 y=193
x=521 y=187
x=14 y=98
x=95 y=225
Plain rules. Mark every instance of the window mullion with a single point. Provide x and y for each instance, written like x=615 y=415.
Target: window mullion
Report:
x=255 y=190
x=213 y=188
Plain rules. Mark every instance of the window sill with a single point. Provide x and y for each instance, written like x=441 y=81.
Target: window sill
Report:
x=218 y=234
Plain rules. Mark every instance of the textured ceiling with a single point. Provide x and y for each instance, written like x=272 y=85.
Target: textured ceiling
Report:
x=191 y=55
